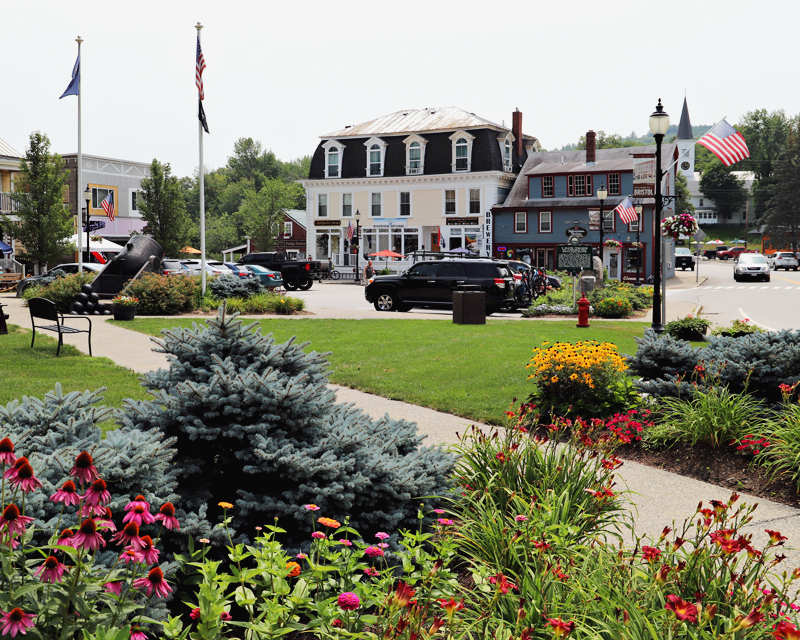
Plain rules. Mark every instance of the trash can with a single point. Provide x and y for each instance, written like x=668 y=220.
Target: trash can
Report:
x=469 y=305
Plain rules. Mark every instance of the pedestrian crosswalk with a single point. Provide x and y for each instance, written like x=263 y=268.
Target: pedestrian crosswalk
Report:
x=742 y=286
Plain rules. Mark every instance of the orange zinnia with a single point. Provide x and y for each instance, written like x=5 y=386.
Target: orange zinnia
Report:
x=226 y=505
x=294 y=569
x=329 y=522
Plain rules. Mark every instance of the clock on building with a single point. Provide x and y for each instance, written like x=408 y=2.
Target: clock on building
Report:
x=685 y=165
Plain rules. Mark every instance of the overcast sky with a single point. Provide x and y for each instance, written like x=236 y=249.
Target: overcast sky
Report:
x=286 y=73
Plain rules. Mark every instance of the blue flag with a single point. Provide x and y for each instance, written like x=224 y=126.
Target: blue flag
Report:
x=74 y=86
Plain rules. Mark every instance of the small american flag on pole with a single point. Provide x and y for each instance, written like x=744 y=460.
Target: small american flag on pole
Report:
x=200 y=64
x=626 y=211
x=350 y=231
x=726 y=143
x=108 y=205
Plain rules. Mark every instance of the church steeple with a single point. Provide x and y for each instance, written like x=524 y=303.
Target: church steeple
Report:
x=685 y=125
x=685 y=143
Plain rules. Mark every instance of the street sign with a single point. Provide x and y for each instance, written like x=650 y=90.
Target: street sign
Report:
x=576 y=232
x=94 y=225
x=573 y=258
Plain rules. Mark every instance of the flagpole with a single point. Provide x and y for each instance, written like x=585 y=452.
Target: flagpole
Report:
x=78 y=191
x=202 y=196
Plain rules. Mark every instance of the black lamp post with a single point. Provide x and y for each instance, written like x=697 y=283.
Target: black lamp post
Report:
x=87 y=196
x=659 y=123
x=358 y=245
x=638 y=208
x=602 y=194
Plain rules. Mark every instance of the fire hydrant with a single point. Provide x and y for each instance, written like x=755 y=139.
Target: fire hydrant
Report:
x=583 y=312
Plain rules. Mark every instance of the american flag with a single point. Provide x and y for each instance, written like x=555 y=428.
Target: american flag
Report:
x=441 y=239
x=108 y=205
x=200 y=64
x=350 y=231
x=626 y=211
x=726 y=143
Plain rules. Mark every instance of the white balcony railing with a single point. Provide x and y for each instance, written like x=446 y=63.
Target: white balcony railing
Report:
x=6 y=202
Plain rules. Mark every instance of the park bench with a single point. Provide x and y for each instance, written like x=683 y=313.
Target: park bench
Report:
x=9 y=280
x=46 y=310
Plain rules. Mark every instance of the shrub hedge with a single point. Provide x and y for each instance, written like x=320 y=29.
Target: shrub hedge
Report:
x=62 y=291
x=164 y=295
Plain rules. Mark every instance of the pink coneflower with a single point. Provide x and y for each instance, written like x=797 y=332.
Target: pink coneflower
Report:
x=131 y=555
x=92 y=510
x=167 y=517
x=25 y=479
x=7 y=452
x=149 y=552
x=51 y=571
x=153 y=582
x=13 y=522
x=15 y=621
x=84 y=469
x=87 y=537
x=139 y=515
x=67 y=494
x=97 y=494
x=106 y=522
x=373 y=552
x=318 y=535
x=66 y=537
x=129 y=534
x=348 y=601
x=138 y=501
x=114 y=587
x=137 y=633
x=382 y=536
x=10 y=474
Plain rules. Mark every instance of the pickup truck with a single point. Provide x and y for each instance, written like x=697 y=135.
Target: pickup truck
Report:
x=711 y=254
x=733 y=252
x=296 y=274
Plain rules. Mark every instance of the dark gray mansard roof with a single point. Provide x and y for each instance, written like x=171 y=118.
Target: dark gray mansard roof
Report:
x=565 y=162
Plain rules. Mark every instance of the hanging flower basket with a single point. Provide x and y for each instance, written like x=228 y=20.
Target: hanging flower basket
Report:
x=680 y=225
x=638 y=245
x=611 y=243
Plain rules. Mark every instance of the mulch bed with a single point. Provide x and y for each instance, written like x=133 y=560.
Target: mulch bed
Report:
x=722 y=467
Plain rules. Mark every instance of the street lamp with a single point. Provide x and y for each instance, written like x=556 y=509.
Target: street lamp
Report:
x=659 y=123
x=358 y=244
x=602 y=194
x=638 y=208
x=87 y=196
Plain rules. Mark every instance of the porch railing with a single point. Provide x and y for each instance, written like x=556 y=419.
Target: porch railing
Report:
x=7 y=202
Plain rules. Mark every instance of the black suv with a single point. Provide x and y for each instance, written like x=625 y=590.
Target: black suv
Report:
x=431 y=284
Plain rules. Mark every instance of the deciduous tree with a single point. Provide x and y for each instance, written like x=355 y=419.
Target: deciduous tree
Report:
x=683 y=204
x=264 y=211
x=164 y=210
x=724 y=188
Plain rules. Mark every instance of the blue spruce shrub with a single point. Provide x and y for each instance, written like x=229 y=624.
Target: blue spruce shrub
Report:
x=232 y=286
x=256 y=424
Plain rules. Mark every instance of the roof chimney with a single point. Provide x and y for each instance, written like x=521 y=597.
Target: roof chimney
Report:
x=590 y=147
x=516 y=129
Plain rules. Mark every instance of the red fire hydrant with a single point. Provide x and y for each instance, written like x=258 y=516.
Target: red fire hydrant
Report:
x=583 y=312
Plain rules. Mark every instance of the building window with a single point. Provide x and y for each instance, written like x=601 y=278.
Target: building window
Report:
x=287 y=229
x=570 y=185
x=507 y=155
x=376 y=149
x=377 y=210
x=474 y=201
x=347 y=205
x=415 y=154
x=98 y=195
x=545 y=222
x=405 y=203
x=613 y=184
x=333 y=159
x=589 y=190
x=580 y=185
x=322 y=205
x=449 y=202
x=333 y=163
x=634 y=226
x=136 y=198
x=608 y=221
x=462 y=150
x=521 y=222
x=701 y=202
x=547 y=187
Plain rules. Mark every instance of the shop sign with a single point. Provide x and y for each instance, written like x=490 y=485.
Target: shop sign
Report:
x=644 y=174
x=487 y=232
x=576 y=232
x=594 y=220
x=292 y=244
x=462 y=221
x=389 y=222
x=327 y=223
x=573 y=258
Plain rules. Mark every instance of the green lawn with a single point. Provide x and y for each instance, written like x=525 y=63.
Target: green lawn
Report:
x=468 y=370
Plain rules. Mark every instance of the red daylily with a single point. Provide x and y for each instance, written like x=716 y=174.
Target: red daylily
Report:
x=775 y=537
x=560 y=628
x=683 y=610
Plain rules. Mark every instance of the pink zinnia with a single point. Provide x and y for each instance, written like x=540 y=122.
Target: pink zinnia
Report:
x=311 y=507
x=15 y=621
x=344 y=542
x=149 y=552
x=10 y=474
x=167 y=517
x=382 y=545
x=138 y=501
x=67 y=494
x=84 y=469
x=225 y=616
x=114 y=587
x=51 y=571
x=318 y=535
x=373 y=552
x=139 y=515
x=14 y=522
x=137 y=633
x=87 y=537
x=348 y=601
x=129 y=534
x=25 y=479
x=444 y=521
x=97 y=494
x=131 y=555
x=7 y=452
x=382 y=536
x=153 y=582
x=439 y=511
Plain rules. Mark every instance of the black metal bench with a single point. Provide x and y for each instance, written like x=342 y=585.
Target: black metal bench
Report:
x=46 y=310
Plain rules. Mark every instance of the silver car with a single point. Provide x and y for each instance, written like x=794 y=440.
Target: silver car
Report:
x=782 y=260
x=751 y=265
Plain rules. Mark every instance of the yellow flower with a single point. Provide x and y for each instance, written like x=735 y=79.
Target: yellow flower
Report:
x=554 y=379
x=226 y=505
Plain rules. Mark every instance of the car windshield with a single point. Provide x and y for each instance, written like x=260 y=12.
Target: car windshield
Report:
x=752 y=258
x=682 y=251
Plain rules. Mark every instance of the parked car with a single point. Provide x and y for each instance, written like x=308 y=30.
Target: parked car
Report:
x=296 y=274
x=239 y=270
x=711 y=254
x=268 y=277
x=431 y=284
x=684 y=259
x=733 y=252
x=782 y=260
x=213 y=267
x=173 y=267
x=751 y=265
x=69 y=268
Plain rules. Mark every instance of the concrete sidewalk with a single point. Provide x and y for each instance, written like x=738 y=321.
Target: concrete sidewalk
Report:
x=660 y=497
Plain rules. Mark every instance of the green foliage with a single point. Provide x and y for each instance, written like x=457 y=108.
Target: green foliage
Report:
x=280 y=440
x=41 y=224
x=615 y=307
x=726 y=190
x=781 y=455
x=164 y=295
x=683 y=204
x=782 y=218
x=266 y=303
x=738 y=328
x=230 y=286
x=688 y=328
x=263 y=211
x=163 y=209
x=62 y=291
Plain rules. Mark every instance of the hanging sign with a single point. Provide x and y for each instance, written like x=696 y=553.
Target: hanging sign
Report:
x=644 y=174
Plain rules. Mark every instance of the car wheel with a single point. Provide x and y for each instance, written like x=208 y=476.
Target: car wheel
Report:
x=290 y=282
x=735 y=278
x=795 y=269
x=767 y=279
x=386 y=301
x=723 y=257
x=22 y=290
x=305 y=284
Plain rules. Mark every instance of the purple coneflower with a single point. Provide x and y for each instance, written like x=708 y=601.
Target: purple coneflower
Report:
x=84 y=469
x=66 y=537
x=149 y=552
x=67 y=494
x=129 y=534
x=10 y=474
x=167 y=517
x=130 y=555
x=106 y=522
x=13 y=522
x=87 y=537
x=51 y=571
x=114 y=587
x=137 y=633
x=139 y=515
x=97 y=495
x=7 y=452
x=15 y=621
x=153 y=582
x=138 y=501
x=25 y=479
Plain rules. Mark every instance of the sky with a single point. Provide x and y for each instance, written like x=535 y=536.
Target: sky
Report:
x=287 y=73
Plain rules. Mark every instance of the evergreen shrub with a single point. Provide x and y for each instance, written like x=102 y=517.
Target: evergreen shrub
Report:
x=256 y=424
x=232 y=286
x=61 y=290
x=164 y=295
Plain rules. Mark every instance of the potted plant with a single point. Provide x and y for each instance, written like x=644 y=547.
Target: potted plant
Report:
x=124 y=307
x=689 y=328
x=737 y=329
x=679 y=225
x=611 y=243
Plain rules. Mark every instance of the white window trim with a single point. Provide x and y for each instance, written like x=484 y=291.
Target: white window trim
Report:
x=469 y=138
x=371 y=193
x=525 y=218
x=339 y=147
x=502 y=139
x=134 y=213
x=327 y=206
x=341 y=204
x=422 y=142
x=444 y=203
x=480 y=200
x=382 y=145
x=549 y=221
x=410 y=204
x=287 y=229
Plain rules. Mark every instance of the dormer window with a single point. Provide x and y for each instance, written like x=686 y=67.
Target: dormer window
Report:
x=415 y=154
x=376 y=149
x=333 y=158
x=507 y=155
x=506 y=151
x=462 y=151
